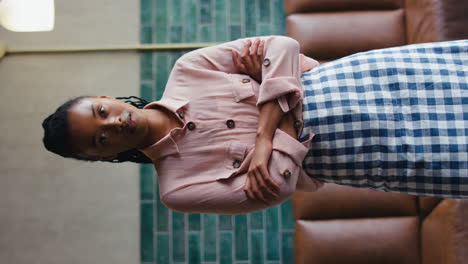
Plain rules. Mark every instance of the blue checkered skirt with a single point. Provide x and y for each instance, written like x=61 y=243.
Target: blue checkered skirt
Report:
x=393 y=119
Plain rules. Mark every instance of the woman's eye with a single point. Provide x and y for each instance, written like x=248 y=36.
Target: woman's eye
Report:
x=102 y=139
x=102 y=111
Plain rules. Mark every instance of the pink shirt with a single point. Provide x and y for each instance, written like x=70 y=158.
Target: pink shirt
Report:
x=202 y=166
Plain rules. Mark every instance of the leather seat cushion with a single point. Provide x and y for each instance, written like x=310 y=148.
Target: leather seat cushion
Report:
x=337 y=201
x=379 y=240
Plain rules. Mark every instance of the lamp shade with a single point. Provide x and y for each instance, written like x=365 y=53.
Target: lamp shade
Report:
x=27 y=15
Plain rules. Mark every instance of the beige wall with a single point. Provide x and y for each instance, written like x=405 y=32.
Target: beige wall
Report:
x=54 y=210
x=84 y=23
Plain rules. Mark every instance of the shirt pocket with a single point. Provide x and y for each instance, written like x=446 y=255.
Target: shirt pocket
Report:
x=243 y=87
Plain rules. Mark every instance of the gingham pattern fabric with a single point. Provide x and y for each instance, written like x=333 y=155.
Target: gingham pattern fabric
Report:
x=392 y=119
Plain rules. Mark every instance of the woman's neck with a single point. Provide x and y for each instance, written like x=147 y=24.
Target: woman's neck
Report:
x=160 y=122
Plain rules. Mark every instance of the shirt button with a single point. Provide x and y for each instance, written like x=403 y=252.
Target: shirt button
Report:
x=266 y=62
x=297 y=124
x=230 y=123
x=245 y=80
x=181 y=114
x=236 y=164
x=191 y=126
x=286 y=174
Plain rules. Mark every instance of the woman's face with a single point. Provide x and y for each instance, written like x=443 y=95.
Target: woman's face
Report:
x=101 y=127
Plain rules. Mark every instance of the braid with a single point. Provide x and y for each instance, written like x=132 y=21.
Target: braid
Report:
x=135 y=101
x=132 y=155
x=56 y=134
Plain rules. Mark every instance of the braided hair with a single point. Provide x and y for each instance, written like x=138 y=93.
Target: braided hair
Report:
x=56 y=134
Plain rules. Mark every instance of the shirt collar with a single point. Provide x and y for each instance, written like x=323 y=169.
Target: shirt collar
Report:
x=171 y=104
x=166 y=145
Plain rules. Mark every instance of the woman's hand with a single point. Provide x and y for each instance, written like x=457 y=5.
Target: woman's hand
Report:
x=250 y=60
x=259 y=184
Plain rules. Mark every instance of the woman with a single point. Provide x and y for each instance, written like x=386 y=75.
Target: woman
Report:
x=226 y=142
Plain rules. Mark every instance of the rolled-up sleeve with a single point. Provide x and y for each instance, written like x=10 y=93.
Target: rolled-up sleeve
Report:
x=280 y=72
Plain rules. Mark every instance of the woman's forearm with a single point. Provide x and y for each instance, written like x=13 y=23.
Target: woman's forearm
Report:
x=269 y=119
x=259 y=184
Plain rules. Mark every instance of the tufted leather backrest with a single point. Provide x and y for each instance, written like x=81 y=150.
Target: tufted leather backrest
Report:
x=331 y=29
x=436 y=20
x=309 y=6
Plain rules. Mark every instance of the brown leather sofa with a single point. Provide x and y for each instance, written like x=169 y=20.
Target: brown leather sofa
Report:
x=341 y=224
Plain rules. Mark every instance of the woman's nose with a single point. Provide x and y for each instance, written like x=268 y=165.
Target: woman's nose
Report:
x=114 y=122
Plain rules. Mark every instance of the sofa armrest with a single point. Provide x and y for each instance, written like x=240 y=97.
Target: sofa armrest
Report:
x=444 y=233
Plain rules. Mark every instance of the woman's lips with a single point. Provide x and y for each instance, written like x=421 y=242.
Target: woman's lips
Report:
x=131 y=123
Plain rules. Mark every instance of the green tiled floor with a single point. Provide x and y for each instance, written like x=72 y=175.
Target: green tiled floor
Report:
x=172 y=237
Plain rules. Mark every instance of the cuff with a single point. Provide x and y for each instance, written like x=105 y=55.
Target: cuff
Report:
x=292 y=147
x=285 y=89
